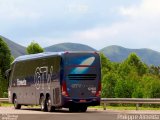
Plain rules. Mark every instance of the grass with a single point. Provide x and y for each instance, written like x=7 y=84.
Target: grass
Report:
x=126 y=108
x=131 y=108
x=5 y=104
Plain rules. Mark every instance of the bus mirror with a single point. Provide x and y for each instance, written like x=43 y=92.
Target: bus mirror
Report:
x=7 y=74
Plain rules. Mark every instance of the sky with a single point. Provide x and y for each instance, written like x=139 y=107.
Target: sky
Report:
x=97 y=23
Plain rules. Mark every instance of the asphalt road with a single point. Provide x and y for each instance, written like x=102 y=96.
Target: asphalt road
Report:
x=9 y=113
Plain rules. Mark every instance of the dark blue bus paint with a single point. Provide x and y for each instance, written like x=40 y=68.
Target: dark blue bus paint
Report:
x=53 y=80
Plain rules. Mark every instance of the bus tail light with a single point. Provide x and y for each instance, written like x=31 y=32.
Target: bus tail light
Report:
x=98 y=93
x=64 y=89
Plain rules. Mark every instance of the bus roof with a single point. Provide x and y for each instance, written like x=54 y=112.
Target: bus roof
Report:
x=39 y=55
x=46 y=54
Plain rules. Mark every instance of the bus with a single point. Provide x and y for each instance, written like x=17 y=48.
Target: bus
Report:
x=56 y=80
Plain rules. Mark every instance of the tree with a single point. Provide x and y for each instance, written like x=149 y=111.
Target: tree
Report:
x=109 y=82
x=150 y=86
x=130 y=72
x=105 y=63
x=34 y=48
x=154 y=70
x=1 y=86
x=106 y=67
x=131 y=78
x=5 y=57
x=134 y=61
x=5 y=61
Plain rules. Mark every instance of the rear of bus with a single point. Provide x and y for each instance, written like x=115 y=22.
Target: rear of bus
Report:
x=81 y=84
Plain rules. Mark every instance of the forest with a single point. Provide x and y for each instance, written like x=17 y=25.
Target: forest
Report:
x=129 y=79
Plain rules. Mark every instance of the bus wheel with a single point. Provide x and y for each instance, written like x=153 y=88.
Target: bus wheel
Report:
x=43 y=103
x=16 y=105
x=50 y=108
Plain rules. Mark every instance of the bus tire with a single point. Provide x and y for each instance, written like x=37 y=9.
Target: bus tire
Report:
x=50 y=108
x=43 y=104
x=16 y=105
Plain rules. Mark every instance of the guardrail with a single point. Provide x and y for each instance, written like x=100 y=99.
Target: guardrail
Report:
x=4 y=100
x=137 y=101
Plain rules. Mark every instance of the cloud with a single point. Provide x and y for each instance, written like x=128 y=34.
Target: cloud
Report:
x=24 y=20
x=98 y=24
x=78 y=8
x=146 y=9
x=14 y=10
x=40 y=9
x=144 y=23
x=141 y=28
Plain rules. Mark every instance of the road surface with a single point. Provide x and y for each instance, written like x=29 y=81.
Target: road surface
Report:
x=9 y=113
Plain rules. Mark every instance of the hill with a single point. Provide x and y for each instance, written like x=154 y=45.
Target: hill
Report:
x=118 y=54
x=68 y=47
x=114 y=53
x=16 y=49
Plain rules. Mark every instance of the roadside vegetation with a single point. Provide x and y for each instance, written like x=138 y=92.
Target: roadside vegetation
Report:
x=5 y=61
x=130 y=79
x=6 y=104
x=125 y=107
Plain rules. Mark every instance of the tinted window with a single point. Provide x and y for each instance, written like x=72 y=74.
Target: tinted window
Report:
x=87 y=59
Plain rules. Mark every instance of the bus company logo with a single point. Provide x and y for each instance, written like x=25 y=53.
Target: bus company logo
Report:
x=90 y=87
x=43 y=74
x=21 y=82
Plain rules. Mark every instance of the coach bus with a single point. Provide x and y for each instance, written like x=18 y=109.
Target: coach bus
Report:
x=56 y=80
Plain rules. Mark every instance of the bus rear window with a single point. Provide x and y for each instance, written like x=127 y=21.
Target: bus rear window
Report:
x=81 y=59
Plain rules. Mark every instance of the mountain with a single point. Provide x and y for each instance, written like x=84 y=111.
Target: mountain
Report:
x=118 y=54
x=68 y=47
x=16 y=49
x=114 y=53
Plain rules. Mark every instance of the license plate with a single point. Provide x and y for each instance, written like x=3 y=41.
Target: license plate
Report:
x=82 y=101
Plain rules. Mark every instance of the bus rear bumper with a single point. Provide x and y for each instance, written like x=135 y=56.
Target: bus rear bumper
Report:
x=67 y=101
